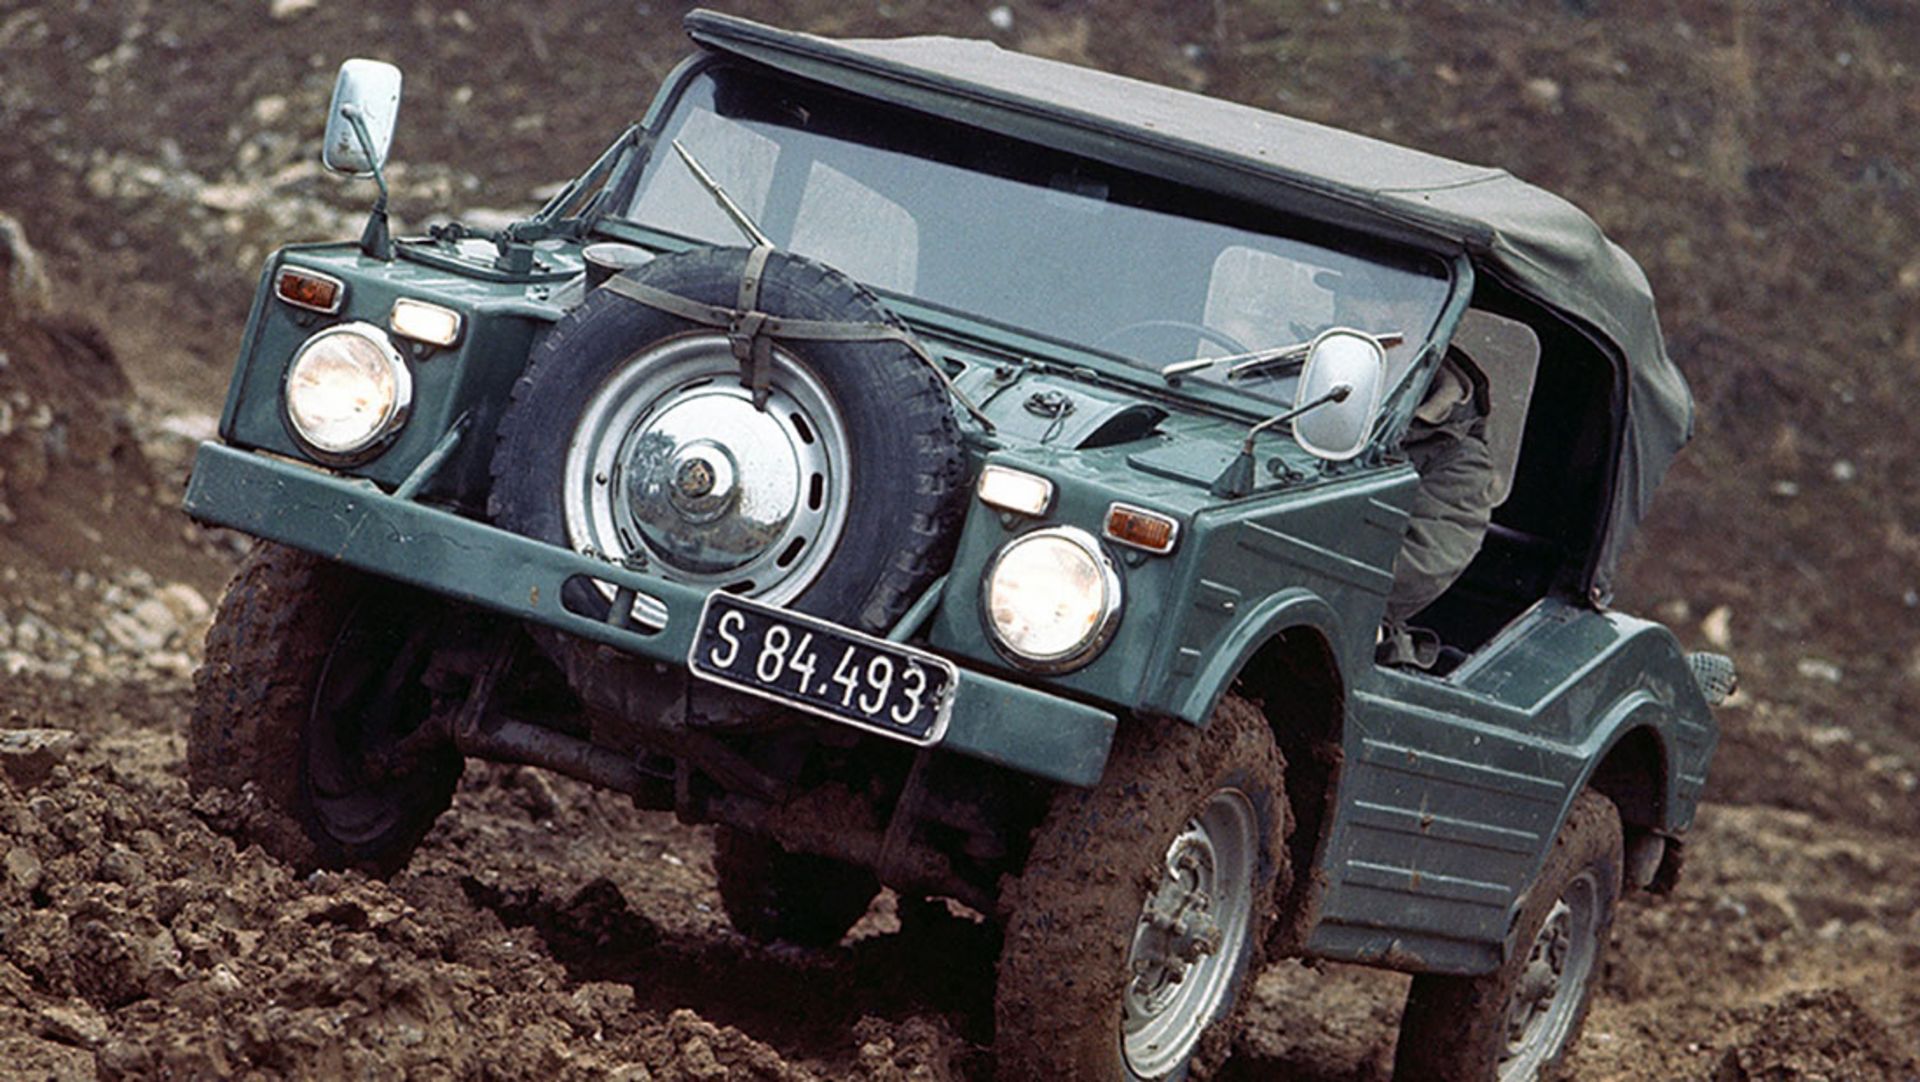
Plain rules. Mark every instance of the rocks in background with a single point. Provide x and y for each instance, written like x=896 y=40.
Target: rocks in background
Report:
x=27 y=289
x=35 y=1058
x=27 y=759
x=282 y=10
x=124 y=626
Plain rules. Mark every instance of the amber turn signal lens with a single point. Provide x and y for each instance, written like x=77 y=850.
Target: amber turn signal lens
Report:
x=309 y=289
x=1141 y=528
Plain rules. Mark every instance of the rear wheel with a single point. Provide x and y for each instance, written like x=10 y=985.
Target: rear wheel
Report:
x=770 y=894
x=1143 y=907
x=312 y=699
x=1519 y=1022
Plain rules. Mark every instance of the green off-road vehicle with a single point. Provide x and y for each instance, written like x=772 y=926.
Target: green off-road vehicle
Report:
x=948 y=469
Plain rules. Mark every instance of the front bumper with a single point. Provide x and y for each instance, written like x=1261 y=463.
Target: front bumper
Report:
x=356 y=524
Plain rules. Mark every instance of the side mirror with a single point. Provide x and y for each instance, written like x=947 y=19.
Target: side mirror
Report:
x=1337 y=428
x=369 y=90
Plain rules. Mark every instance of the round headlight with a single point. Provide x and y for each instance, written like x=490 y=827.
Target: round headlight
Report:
x=347 y=389
x=1052 y=599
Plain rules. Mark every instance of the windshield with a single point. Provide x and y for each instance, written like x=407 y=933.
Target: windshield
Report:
x=1050 y=243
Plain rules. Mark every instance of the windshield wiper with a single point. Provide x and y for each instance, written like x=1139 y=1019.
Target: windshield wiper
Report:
x=1249 y=361
x=1255 y=361
x=724 y=201
x=760 y=239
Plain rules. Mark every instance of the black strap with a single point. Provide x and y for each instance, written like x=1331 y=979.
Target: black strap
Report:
x=751 y=348
x=751 y=332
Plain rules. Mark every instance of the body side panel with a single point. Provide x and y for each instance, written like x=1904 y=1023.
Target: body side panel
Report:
x=1454 y=790
x=473 y=376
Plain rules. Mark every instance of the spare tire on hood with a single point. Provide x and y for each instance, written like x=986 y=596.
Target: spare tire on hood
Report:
x=821 y=473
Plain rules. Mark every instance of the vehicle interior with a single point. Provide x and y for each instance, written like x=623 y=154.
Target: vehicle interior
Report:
x=1551 y=431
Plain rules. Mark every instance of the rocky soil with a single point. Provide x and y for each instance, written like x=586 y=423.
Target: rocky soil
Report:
x=1758 y=159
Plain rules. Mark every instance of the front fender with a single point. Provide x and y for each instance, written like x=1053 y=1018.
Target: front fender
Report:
x=1287 y=610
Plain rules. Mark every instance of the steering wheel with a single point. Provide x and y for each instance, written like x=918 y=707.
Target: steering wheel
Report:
x=1163 y=327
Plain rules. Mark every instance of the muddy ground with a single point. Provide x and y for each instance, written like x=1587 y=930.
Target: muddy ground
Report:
x=1757 y=157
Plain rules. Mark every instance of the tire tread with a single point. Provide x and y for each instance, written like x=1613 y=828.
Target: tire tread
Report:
x=1071 y=912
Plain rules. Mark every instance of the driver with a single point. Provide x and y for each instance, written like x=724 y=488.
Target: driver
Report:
x=1447 y=444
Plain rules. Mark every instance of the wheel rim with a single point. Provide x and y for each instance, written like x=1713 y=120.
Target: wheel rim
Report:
x=672 y=465
x=1552 y=984
x=368 y=701
x=1190 y=935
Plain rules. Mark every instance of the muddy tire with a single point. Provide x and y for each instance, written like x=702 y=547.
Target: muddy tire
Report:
x=771 y=894
x=631 y=435
x=309 y=667
x=1182 y=817
x=1519 y=1022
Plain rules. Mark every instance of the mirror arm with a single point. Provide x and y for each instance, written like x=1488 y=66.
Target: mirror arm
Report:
x=1237 y=479
x=376 y=240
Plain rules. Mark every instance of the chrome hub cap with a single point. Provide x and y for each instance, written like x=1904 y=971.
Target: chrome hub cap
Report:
x=1191 y=931
x=671 y=461
x=1552 y=984
x=703 y=483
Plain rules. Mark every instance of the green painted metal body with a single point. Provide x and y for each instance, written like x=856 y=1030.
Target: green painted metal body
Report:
x=1450 y=789
x=1454 y=789
x=471 y=377
x=355 y=523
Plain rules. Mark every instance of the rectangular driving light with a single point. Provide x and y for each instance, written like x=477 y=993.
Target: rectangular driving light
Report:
x=434 y=324
x=1015 y=490
x=1141 y=528
x=311 y=290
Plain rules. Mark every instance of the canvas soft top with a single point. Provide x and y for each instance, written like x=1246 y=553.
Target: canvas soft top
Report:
x=1533 y=241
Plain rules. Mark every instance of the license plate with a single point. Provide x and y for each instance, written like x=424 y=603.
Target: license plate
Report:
x=824 y=669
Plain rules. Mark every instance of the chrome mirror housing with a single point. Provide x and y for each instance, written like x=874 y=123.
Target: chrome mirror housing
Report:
x=1337 y=428
x=366 y=91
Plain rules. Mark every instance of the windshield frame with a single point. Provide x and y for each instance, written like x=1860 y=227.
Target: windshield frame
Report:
x=1237 y=399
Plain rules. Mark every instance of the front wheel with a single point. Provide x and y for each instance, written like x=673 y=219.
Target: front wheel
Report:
x=1519 y=1022
x=1144 y=905
x=770 y=893
x=313 y=697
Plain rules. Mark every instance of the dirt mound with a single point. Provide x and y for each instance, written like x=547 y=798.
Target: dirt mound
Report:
x=1815 y=1035
x=132 y=932
x=100 y=569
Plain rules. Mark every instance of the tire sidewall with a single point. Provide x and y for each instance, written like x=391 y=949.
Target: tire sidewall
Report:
x=252 y=722
x=409 y=810
x=609 y=331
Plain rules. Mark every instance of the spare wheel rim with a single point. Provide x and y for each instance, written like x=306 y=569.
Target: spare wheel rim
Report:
x=672 y=465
